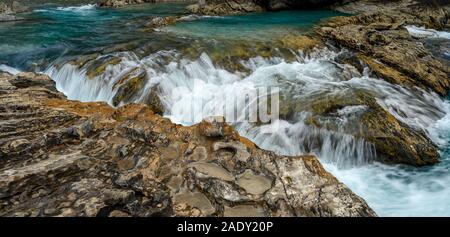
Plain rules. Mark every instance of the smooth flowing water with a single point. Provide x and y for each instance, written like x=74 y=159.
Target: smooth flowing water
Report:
x=210 y=58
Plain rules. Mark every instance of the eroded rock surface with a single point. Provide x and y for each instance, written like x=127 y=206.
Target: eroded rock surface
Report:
x=67 y=158
x=224 y=7
x=121 y=3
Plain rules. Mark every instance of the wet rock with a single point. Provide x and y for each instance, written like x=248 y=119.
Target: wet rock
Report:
x=4 y=9
x=301 y=42
x=89 y=159
x=129 y=86
x=394 y=141
x=162 y=21
x=80 y=61
x=19 y=144
x=98 y=66
x=121 y=3
x=153 y=101
x=217 y=7
x=117 y=213
x=28 y=79
x=212 y=170
x=7 y=11
x=239 y=149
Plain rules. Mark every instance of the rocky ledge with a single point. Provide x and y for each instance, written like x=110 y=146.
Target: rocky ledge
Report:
x=220 y=7
x=8 y=11
x=66 y=158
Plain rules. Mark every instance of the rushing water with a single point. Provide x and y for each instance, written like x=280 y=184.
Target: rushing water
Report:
x=53 y=35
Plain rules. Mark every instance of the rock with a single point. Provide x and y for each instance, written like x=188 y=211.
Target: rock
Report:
x=17 y=7
x=394 y=141
x=301 y=42
x=28 y=79
x=129 y=86
x=154 y=102
x=218 y=7
x=120 y=3
x=7 y=11
x=117 y=213
x=5 y=18
x=244 y=211
x=191 y=201
x=254 y=184
x=19 y=144
x=98 y=66
x=162 y=21
x=212 y=171
x=74 y=165
x=240 y=150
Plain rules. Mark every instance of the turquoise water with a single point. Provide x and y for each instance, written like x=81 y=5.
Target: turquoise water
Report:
x=54 y=33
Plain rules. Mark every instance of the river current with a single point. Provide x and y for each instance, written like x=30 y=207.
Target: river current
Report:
x=213 y=57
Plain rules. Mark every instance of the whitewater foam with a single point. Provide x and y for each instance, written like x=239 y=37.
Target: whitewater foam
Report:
x=78 y=8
